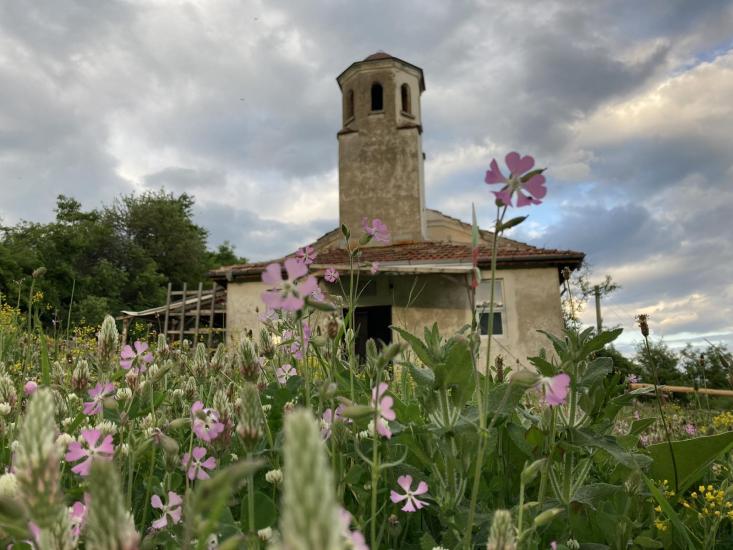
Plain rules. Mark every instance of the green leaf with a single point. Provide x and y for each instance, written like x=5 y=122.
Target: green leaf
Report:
x=638 y=426
x=422 y=376
x=597 y=342
x=648 y=542
x=457 y=371
x=669 y=512
x=543 y=366
x=693 y=456
x=265 y=511
x=597 y=370
x=417 y=346
x=609 y=444
x=510 y=223
x=595 y=493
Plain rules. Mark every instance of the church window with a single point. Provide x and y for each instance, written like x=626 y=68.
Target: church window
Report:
x=483 y=299
x=405 y=97
x=377 y=97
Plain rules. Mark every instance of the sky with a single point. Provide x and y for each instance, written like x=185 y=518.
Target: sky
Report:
x=628 y=104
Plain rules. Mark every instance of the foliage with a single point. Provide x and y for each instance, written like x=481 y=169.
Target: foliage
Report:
x=105 y=260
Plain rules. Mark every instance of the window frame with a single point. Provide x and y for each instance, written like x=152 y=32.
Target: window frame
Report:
x=376 y=84
x=482 y=307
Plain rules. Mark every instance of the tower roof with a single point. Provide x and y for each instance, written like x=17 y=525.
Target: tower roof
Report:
x=381 y=56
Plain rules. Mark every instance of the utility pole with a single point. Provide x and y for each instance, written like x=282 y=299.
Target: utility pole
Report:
x=597 y=292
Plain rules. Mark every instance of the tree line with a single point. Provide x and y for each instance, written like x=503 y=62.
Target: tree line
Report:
x=103 y=260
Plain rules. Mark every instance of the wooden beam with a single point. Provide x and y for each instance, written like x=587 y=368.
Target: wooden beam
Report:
x=685 y=389
x=211 y=315
x=167 y=311
x=183 y=312
x=198 y=314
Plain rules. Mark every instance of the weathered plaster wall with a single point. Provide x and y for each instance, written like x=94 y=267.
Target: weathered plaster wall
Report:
x=243 y=303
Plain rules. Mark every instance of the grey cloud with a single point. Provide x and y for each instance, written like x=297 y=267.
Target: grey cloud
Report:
x=186 y=179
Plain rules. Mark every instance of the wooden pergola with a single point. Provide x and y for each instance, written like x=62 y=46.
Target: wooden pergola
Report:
x=195 y=313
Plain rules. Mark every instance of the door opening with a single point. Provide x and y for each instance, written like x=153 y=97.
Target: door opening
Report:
x=372 y=322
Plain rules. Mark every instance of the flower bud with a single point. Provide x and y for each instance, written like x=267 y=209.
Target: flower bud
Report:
x=80 y=375
x=501 y=535
x=274 y=476
x=8 y=486
x=108 y=341
x=547 y=516
x=251 y=419
x=265 y=534
x=219 y=360
x=7 y=390
x=247 y=361
x=643 y=321
x=267 y=347
x=109 y=524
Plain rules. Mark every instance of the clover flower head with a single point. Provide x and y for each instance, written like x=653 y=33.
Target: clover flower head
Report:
x=172 y=510
x=30 y=388
x=104 y=450
x=206 y=423
x=306 y=255
x=374 y=269
x=383 y=404
x=331 y=275
x=284 y=373
x=194 y=464
x=287 y=294
x=412 y=503
x=98 y=394
x=556 y=388
x=519 y=181
x=690 y=429
x=139 y=355
x=377 y=229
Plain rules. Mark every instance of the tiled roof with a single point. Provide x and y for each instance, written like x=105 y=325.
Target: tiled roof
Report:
x=510 y=253
x=378 y=55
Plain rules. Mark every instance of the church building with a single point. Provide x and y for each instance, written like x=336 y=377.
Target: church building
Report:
x=423 y=275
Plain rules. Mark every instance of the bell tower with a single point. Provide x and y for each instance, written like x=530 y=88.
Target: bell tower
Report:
x=380 y=146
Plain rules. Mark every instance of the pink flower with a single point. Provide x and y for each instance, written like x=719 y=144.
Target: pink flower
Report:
x=690 y=429
x=318 y=295
x=197 y=468
x=376 y=230
x=518 y=166
x=30 y=388
x=329 y=417
x=383 y=403
x=306 y=255
x=104 y=451
x=288 y=295
x=331 y=275
x=206 y=423
x=78 y=515
x=128 y=357
x=355 y=537
x=98 y=393
x=172 y=509
x=412 y=503
x=284 y=373
x=632 y=379
x=644 y=440
x=556 y=388
x=374 y=269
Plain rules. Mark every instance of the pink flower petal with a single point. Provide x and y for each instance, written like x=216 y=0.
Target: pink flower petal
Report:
x=307 y=286
x=517 y=164
x=493 y=174
x=505 y=196
x=83 y=468
x=385 y=408
x=106 y=447
x=91 y=437
x=272 y=298
x=295 y=268
x=536 y=186
x=422 y=488
x=396 y=497
x=126 y=364
x=140 y=347
x=199 y=453
x=127 y=352
x=556 y=389
x=160 y=522
x=175 y=515
x=292 y=303
x=405 y=482
x=272 y=275
x=75 y=452
x=408 y=507
x=174 y=499
x=209 y=463
x=155 y=502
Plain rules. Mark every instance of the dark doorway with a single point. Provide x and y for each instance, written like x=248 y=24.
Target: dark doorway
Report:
x=372 y=322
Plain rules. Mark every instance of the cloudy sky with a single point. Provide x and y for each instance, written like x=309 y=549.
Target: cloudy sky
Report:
x=629 y=104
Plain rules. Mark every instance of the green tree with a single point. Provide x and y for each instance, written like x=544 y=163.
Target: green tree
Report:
x=661 y=357
x=224 y=255
x=708 y=367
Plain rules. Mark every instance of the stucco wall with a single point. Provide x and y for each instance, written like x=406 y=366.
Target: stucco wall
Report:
x=531 y=302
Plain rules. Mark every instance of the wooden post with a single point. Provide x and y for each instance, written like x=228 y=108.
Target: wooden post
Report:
x=167 y=312
x=183 y=312
x=684 y=389
x=599 y=321
x=125 y=326
x=211 y=315
x=198 y=314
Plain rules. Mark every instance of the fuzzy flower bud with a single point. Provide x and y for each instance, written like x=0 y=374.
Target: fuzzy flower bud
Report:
x=38 y=474
x=274 y=476
x=123 y=394
x=219 y=360
x=265 y=534
x=501 y=535
x=200 y=363
x=310 y=515
x=247 y=361
x=251 y=419
x=7 y=390
x=643 y=321
x=5 y=409
x=80 y=375
x=108 y=341
x=190 y=388
x=109 y=524
x=8 y=486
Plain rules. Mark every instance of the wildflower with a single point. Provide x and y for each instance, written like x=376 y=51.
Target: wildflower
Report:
x=412 y=504
x=501 y=534
x=306 y=255
x=519 y=181
x=77 y=516
x=556 y=388
x=250 y=427
x=374 y=269
x=690 y=429
x=109 y=524
x=275 y=477
x=643 y=321
x=264 y=534
x=331 y=275
x=632 y=379
x=284 y=373
x=287 y=295
x=141 y=355
x=80 y=375
x=644 y=440
x=172 y=509
x=5 y=409
x=30 y=387
x=329 y=417
x=318 y=295
x=98 y=394
x=376 y=230
x=206 y=423
x=383 y=403
x=104 y=450
x=107 y=339
x=123 y=394
x=197 y=468
x=355 y=538
x=8 y=486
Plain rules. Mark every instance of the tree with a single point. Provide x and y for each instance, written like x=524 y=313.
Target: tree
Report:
x=225 y=255
x=709 y=367
x=661 y=358
x=578 y=291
